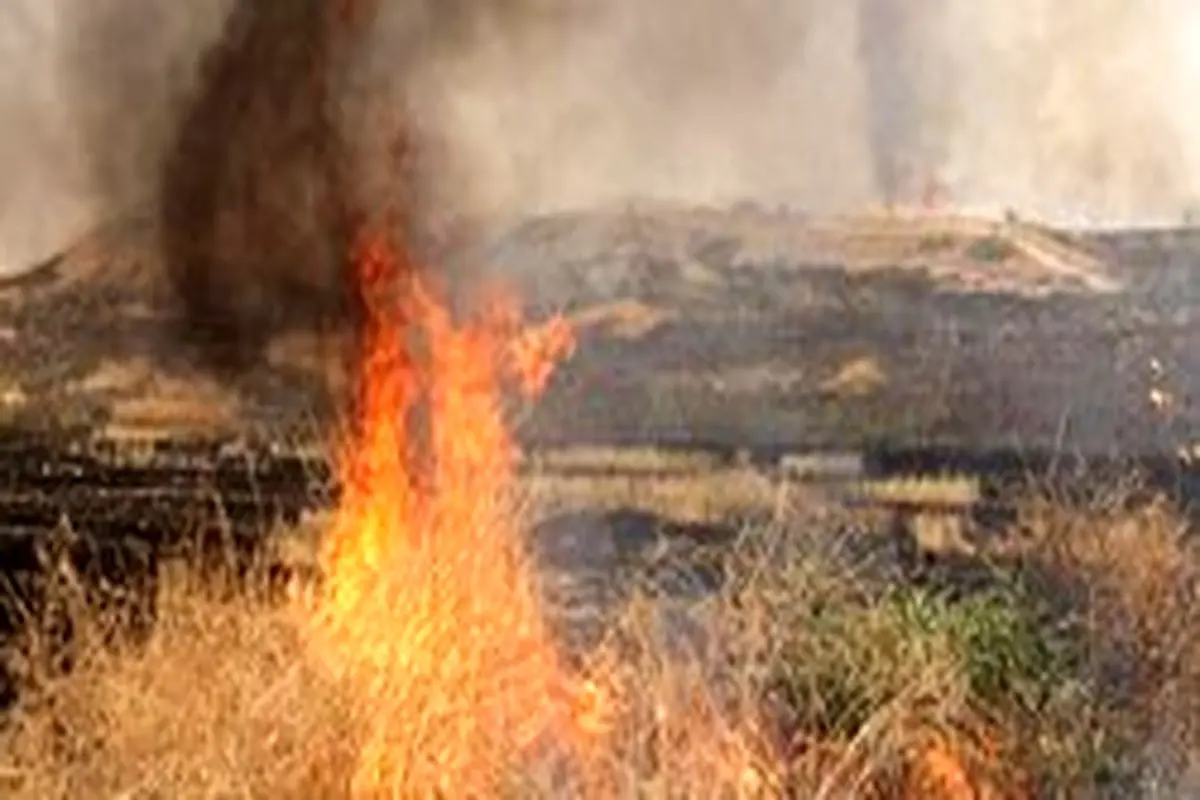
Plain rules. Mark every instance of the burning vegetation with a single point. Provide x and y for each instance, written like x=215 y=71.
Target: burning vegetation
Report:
x=421 y=659
x=429 y=607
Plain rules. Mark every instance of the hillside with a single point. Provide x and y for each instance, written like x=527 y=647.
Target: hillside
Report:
x=749 y=327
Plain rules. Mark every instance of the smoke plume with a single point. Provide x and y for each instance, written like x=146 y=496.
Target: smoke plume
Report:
x=1071 y=110
x=303 y=124
x=1074 y=110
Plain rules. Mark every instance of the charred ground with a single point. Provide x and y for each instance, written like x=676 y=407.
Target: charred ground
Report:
x=747 y=335
x=749 y=329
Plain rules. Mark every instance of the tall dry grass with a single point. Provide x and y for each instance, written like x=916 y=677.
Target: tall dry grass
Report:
x=814 y=671
x=1127 y=585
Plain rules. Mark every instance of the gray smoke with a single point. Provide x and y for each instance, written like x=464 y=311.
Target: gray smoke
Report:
x=1068 y=109
x=1072 y=110
x=80 y=99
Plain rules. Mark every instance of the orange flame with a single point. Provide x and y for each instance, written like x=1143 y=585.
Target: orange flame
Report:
x=430 y=610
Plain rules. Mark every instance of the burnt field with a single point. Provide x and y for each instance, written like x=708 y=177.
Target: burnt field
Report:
x=925 y=345
x=743 y=329
x=755 y=347
x=902 y=416
x=116 y=516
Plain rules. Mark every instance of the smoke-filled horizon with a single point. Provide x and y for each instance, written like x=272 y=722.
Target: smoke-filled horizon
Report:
x=1079 y=111
x=1072 y=110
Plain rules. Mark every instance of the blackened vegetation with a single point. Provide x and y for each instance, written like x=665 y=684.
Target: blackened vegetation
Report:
x=113 y=519
x=257 y=216
x=1005 y=471
x=1010 y=476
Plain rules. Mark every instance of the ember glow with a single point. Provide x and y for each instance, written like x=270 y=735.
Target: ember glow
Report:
x=430 y=611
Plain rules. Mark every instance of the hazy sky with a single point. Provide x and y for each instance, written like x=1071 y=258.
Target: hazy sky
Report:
x=1069 y=109
x=1064 y=108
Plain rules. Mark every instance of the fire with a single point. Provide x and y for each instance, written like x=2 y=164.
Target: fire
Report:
x=430 y=612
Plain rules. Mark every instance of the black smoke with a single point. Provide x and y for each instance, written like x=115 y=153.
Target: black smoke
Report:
x=256 y=211
x=261 y=136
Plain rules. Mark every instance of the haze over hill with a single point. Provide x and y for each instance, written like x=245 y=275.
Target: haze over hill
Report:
x=1077 y=110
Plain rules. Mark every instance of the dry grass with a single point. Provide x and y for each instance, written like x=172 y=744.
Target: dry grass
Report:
x=856 y=378
x=925 y=490
x=810 y=673
x=708 y=496
x=220 y=702
x=1129 y=584
x=621 y=460
x=623 y=319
